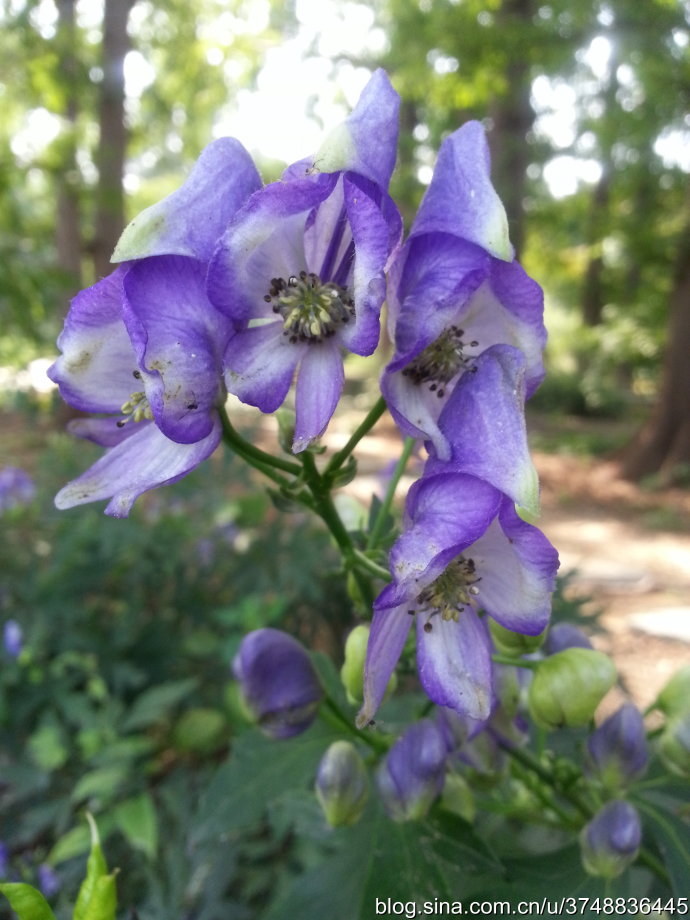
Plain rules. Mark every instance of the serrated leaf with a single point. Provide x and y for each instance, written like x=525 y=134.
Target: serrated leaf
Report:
x=27 y=902
x=256 y=773
x=672 y=836
x=136 y=818
x=153 y=704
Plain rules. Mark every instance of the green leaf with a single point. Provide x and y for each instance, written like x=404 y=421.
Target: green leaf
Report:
x=27 y=902
x=103 y=903
x=76 y=842
x=155 y=703
x=96 y=869
x=410 y=862
x=103 y=782
x=136 y=818
x=257 y=772
x=672 y=836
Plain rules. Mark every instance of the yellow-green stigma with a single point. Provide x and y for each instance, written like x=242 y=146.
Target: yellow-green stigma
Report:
x=311 y=309
x=453 y=590
x=440 y=361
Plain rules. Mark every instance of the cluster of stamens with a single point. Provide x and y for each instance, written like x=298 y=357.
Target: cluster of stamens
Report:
x=137 y=407
x=440 y=361
x=453 y=590
x=311 y=309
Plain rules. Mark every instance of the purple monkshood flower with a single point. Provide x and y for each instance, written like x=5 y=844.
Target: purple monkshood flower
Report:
x=301 y=269
x=16 y=488
x=412 y=774
x=13 y=638
x=617 y=749
x=278 y=682
x=454 y=289
x=464 y=550
x=144 y=346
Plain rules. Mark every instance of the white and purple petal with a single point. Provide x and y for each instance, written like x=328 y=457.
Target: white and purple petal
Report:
x=95 y=370
x=484 y=423
x=517 y=566
x=389 y=629
x=367 y=141
x=180 y=338
x=460 y=199
x=446 y=514
x=190 y=221
x=260 y=364
x=454 y=663
x=143 y=461
x=319 y=385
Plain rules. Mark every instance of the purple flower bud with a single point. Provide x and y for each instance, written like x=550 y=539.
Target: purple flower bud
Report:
x=411 y=776
x=564 y=635
x=12 y=638
x=48 y=881
x=618 y=748
x=611 y=840
x=278 y=682
x=341 y=784
x=16 y=488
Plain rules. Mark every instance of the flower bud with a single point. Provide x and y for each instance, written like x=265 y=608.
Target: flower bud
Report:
x=342 y=786
x=458 y=798
x=611 y=840
x=508 y=642
x=13 y=638
x=617 y=750
x=674 y=744
x=352 y=671
x=564 y=635
x=411 y=776
x=675 y=695
x=278 y=681
x=567 y=687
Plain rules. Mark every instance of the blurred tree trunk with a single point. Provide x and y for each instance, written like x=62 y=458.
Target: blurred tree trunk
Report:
x=664 y=441
x=67 y=226
x=110 y=158
x=598 y=222
x=512 y=119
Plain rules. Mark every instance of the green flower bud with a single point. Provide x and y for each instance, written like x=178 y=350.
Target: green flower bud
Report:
x=567 y=687
x=457 y=797
x=286 y=429
x=674 y=744
x=352 y=671
x=342 y=786
x=675 y=696
x=508 y=642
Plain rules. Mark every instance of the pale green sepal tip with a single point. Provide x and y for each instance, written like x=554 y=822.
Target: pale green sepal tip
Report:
x=139 y=236
x=530 y=510
x=496 y=233
x=26 y=901
x=337 y=152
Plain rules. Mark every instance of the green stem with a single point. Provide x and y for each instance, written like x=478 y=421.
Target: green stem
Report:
x=332 y=713
x=371 y=419
x=324 y=507
x=254 y=455
x=372 y=567
x=385 y=507
x=531 y=762
x=515 y=662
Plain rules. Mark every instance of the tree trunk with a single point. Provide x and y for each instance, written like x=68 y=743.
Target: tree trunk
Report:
x=512 y=116
x=663 y=443
x=68 y=219
x=110 y=157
